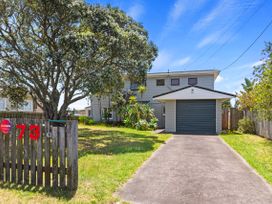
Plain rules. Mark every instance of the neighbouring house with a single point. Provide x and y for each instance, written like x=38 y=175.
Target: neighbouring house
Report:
x=183 y=101
x=28 y=106
x=83 y=112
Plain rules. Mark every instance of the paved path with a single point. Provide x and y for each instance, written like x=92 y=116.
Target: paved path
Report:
x=196 y=169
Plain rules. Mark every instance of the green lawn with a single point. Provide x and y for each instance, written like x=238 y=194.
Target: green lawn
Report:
x=257 y=151
x=108 y=157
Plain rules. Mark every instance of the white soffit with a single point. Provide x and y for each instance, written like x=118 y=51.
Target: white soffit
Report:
x=191 y=93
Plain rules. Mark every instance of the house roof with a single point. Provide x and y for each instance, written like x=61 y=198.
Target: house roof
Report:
x=193 y=92
x=213 y=72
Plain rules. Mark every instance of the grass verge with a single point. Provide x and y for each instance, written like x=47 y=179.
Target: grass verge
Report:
x=257 y=151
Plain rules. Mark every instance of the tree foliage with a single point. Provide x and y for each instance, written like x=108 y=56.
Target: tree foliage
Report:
x=141 y=90
x=226 y=104
x=17 y=94
x=246 y=100
x=246 y=96
x=263 y=88
x=257 y=94
x=69 y=49
x=248 y=85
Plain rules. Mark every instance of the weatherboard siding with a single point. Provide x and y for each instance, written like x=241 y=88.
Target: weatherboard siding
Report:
x=219 y=116
x=170 y=116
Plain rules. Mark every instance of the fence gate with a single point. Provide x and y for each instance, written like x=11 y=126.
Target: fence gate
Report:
x=39 y=152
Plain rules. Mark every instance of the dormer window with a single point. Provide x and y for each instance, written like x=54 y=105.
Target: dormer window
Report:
x=192 y=81
x=160 y=82
x=175 y=82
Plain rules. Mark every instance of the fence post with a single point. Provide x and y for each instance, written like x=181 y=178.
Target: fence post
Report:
x=72 y=176
x=1 y=157
x=225 y=119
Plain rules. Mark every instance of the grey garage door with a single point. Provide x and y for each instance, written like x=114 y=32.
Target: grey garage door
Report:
x=196 y=116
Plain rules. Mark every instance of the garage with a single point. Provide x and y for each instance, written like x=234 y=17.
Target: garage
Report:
x=193 y=110
x=196 y=117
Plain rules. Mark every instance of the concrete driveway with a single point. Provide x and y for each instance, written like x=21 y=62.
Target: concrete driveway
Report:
x=196 y=169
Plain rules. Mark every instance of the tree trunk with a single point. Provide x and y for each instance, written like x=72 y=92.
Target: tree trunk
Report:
x=52 y=112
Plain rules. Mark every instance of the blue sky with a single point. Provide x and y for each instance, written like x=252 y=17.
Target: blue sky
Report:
x=202 y=34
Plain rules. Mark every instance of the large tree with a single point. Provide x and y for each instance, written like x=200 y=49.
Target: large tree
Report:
x=263 y=88
x=246 y=96
x=69 y=49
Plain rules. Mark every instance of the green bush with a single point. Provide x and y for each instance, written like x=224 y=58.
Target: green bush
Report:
x=90 y=121
x=142 y=125
x=139 y=116
x=153 y=124
x=85 y=120
x=246 y=125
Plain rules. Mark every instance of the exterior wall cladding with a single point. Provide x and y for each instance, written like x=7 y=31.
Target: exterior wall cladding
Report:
x=98 y=106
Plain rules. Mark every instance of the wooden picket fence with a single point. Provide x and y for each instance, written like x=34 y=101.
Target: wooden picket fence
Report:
x=230 y=118
x=50 y=161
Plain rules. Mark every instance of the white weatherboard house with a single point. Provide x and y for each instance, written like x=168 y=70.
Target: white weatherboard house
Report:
x=184 y=101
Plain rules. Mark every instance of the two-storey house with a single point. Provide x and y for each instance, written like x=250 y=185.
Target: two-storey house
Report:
x=183 y=101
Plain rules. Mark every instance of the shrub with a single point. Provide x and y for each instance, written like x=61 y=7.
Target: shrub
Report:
x=139 y=116
x=142 y=125
x=153 y=123
x=90 y=121
x=246 y=125
x=82 y=119
x=85 y=120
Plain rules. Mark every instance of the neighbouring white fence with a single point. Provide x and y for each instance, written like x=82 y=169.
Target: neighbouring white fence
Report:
x=263 y=127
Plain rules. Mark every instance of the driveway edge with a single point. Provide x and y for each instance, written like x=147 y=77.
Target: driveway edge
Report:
x=246 y=163
x=144 y=164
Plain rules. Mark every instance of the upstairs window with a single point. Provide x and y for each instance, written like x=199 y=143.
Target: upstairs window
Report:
x=28 y=106
x=2 y=104
x=160 y=82
x=192 y=81
x=175 y=82
x=134 y=86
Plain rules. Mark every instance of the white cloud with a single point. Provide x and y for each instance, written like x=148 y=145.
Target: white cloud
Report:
x=219 y=79
x=210 y=39
x=177 y=10
x=181 y=61
x=220 y=10
x=249 y=65
x=166 y=61
x=224 y=11
x=258 y=63
x=136 y=11
x=180 y=7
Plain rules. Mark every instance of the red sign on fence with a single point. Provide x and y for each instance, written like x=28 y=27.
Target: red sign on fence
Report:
x=34 y=130
x=5 y=126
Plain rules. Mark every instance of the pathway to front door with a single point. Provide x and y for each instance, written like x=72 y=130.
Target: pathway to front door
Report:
x=196 y=169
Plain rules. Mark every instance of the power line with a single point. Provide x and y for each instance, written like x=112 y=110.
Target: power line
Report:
x=225 y=29
x=246 y=50
x=236 y=32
